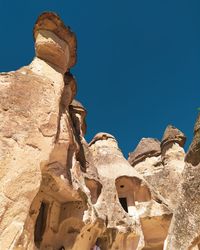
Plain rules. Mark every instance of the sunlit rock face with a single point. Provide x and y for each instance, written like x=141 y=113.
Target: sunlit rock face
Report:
x=184 y=232
x=162 y=163
x=59 y=192
x=54 y=42
x=126 y=199
x=34 y=132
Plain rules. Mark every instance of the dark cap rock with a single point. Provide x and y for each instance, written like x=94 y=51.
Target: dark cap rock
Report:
x=147 y=147
x=70 y=80
x=76 y=107
x=51 y=21
x=193 y=154
x=172 y=134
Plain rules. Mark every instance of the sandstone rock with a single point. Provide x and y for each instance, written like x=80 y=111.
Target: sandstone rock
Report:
x=193 y=155
x=173 y=135
x=78 y=113
x=124 y=187
x=55 y=43
x=161 y=167
x=59 y=192
x=185 y=225
x=30 y=122
x=147 y=147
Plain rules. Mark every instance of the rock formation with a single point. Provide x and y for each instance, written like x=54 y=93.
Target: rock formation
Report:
x=60 y=192
x=184 y=232
x=161 y=164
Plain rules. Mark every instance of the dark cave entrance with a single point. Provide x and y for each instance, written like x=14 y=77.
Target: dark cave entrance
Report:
x=123 y=202
x=40 y=224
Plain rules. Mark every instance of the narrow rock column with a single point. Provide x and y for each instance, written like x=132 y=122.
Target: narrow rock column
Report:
x=185 y=226
x=111 y=165
x=29 y=121
x=172 y=156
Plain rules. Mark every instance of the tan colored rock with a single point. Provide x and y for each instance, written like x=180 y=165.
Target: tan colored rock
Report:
x=126 y=190
x=55 y=43
x=162 y=167
x=185 y=225
x=173 y=135
x=147 y=147
x=30 y=123
x=58 y=192
x=78 y=113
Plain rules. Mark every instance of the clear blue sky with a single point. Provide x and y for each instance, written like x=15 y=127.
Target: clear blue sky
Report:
x=138 y=66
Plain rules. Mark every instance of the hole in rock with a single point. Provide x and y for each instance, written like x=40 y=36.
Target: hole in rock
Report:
x=123 y=202
x=40 y=224
x=96 y=246
x=133 y=190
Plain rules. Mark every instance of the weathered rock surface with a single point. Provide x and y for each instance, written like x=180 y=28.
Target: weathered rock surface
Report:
x=184 y=231
x=162 y=164
x=122 y=184
x=147 y=147
x=59 y=192
x=33 y=125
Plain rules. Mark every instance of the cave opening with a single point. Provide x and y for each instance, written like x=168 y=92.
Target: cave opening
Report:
x=40 y=224
x=123 y=202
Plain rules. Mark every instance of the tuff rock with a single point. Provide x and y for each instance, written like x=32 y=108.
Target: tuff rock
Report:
x=59 y=192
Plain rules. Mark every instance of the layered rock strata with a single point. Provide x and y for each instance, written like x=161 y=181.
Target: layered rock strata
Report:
x=60 y=192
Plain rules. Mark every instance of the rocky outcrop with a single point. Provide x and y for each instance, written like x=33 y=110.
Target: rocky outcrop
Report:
x=172 y=135
x=147 y=147
x=60 y=192
x=131 y=202
x=185 y=226
x=162 y=164
x=34 y=127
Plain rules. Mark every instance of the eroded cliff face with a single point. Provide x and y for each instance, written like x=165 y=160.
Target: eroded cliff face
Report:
x=60 y=192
